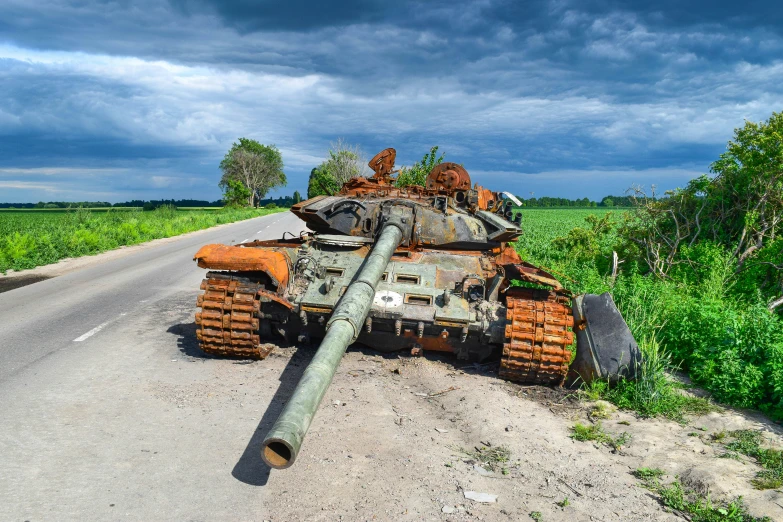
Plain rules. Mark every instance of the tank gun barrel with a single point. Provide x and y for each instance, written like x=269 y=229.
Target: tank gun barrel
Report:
x=281 y=445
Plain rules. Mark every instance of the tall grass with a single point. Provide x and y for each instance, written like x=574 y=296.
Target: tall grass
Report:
x=29 y=239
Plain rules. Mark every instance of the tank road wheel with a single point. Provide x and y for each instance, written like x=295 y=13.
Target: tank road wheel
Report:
x=538 y=337
x=228 y=322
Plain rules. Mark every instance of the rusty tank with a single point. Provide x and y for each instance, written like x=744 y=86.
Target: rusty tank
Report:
x=419 y=268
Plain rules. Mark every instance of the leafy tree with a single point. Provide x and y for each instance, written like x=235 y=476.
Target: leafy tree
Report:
x=297 y=197
x=739 y=209
x=321 y=182
x=235 y=193
x=258 y=167
x=343 y=162
x=417 y=174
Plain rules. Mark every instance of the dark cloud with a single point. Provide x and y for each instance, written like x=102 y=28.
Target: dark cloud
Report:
x=511 y=89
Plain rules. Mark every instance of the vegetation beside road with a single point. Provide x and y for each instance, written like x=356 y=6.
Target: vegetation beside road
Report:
x=699 y=281
x=29 y=239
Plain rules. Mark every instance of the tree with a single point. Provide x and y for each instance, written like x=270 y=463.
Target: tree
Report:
x=235 y=193
x=342 y=163
x=740 y=209
x=258 y=167
x=417 y=174
x=345 y=161
x=321 y=182
x=297 y=197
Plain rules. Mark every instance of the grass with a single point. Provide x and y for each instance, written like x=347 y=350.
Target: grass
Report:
x=654 y=393
x=595 y=432
x=692 y=505
x=649 y=475
x=29 y=239
x=748 y=442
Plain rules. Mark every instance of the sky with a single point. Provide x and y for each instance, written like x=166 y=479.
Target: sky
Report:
x=117 y=100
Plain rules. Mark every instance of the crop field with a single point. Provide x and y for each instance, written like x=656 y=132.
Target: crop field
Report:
x=542 y=226
x=30 y=238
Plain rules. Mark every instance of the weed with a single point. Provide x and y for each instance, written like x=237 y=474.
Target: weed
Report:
x=653 y=393
x=692 y=505
x=718 y=436
x=649 y=473
x=733 y=455
x=624 y=423
x=694 y=434
x=564 y=503
x=600 y=411
x=537 y=516
x=490 y=458
x=748 y=442
x=700 y=508
x=595 y=432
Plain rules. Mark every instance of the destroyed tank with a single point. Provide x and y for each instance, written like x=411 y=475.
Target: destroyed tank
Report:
x=425 y=269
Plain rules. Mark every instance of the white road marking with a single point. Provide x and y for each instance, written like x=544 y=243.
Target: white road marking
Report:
x=94 y=330
x=91 y=332
x=246 y=240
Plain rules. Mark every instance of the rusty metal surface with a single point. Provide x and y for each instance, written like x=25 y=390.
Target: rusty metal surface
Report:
x=448 y=177
x=383 y=163
x=538 y=337
x=228 y=322
x=273 y=262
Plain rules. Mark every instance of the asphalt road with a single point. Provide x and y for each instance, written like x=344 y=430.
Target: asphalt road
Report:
x=108 y=409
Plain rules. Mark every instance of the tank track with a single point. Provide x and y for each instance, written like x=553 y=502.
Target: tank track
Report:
x=228 y=322
x=538 y=337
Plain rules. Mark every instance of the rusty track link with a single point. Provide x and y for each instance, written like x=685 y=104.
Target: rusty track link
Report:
x=228 y=322
x=538 y=337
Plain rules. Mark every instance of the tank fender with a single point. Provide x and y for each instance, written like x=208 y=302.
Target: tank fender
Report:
x=514 y=268
x=274 y=263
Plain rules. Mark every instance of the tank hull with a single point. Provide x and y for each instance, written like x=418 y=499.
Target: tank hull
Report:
x=427 y=300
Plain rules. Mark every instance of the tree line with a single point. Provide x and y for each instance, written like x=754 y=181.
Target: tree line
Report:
x=282 y=201
x=607 y=201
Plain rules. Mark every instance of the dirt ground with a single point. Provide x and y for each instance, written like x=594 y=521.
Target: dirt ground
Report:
x=390 y=443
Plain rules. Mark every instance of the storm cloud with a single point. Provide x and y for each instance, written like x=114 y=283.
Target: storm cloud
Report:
x=117 y=100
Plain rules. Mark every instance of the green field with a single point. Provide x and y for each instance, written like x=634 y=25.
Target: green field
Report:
x=94 y=209
x=30 y=238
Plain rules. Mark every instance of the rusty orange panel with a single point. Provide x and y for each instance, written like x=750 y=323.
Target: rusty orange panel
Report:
x=223 y=257
x=441 y=343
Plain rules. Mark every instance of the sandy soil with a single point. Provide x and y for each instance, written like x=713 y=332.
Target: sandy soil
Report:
x=388 y=443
